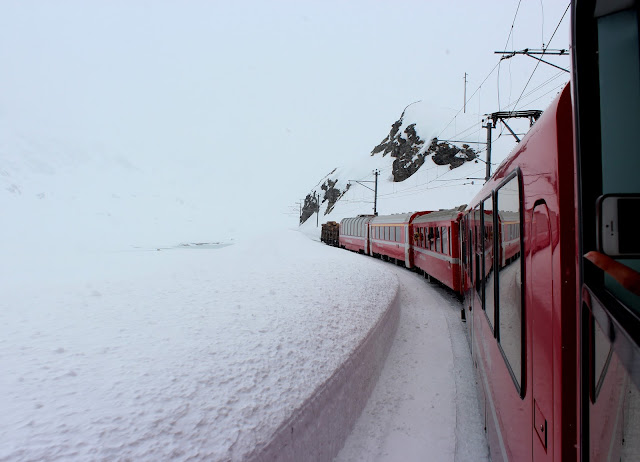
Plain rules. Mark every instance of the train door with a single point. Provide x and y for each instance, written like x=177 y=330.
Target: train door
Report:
x=541 y=315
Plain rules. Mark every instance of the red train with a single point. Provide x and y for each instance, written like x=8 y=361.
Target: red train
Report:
x=547 y=258
x=424 y=241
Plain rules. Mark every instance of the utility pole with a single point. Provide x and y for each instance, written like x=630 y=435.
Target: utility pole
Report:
x=375 y=191
x=489 y=126
x=318 y=208
x=375 y=194
x=464 y=106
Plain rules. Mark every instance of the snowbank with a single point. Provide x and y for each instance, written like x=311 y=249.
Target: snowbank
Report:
x=192 y=353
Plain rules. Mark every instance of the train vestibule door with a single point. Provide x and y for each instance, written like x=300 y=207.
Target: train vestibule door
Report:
x=540 y=311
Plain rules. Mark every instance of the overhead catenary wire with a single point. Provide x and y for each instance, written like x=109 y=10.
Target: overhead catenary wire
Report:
x=543 y=51
x=505 y=47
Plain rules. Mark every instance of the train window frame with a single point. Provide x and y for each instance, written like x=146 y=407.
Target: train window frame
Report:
x=445 y=241
x=483 y=239
x=477 y=247
x=516 y=174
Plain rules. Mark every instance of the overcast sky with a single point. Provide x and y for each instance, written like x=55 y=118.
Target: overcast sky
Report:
x=287 y=89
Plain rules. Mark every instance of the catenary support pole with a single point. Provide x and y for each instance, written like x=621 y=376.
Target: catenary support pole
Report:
x=375 y=197
x=489 y=126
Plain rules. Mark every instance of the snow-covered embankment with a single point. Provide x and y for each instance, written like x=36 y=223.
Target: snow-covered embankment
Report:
x=259 y=350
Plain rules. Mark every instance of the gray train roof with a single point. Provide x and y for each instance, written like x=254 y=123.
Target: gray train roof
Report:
x=393 y=219
x=358 y=219
x=451 y=214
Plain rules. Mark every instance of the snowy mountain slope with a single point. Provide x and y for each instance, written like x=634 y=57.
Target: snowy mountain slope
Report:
x=432 y=186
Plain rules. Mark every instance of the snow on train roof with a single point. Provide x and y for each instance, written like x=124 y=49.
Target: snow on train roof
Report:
x=451 y=214
x=359 y=218
x=395 y=218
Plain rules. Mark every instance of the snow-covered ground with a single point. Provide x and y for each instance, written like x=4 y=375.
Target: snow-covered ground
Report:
x=185 y=353
x=425 y=405
x=203 y=352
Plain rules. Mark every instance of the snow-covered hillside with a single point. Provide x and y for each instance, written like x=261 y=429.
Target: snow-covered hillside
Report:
x=433 y=186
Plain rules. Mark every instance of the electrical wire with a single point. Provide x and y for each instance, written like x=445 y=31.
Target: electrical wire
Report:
x=543 y=52
x=505 y=47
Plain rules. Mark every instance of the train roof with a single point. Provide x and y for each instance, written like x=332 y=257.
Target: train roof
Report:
x=359 y=218
x=397 y=218
x=441 y=215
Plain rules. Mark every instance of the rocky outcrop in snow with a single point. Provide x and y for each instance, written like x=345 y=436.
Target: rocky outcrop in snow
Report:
x=330 y=196
x=409 y=151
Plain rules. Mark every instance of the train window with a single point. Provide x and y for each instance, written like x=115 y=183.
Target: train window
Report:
x=386 y=233
x=445 y=240
x=618 y=40
x=488 y=259
x=510 y=319
x=463 y=247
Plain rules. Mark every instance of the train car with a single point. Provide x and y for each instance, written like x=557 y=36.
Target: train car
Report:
x=354 y=233
x=435 y=248
x=391 y=237
x=522 y=335
x=330 y=233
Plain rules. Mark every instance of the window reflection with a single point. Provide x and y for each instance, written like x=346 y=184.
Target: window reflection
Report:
x=510 y=277
x=487 y=226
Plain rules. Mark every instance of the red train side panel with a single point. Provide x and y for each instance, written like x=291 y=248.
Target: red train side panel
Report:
x=518 y=250
x=354 y=233
x=436 y=248
x=390 y=237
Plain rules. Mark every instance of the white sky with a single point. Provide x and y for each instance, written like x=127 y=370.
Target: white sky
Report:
x=194 y=90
